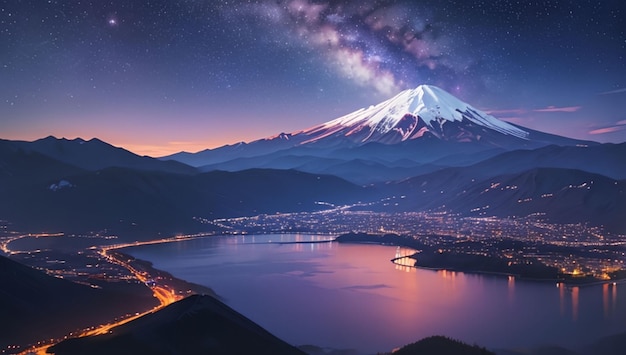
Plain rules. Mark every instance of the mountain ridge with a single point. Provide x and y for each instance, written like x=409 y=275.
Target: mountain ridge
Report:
x=34 y=302
x=80 y=153
x=408 y=115
x=424 y=125
x=196 y=324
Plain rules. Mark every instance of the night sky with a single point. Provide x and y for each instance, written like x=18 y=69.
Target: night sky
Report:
x=162 y=76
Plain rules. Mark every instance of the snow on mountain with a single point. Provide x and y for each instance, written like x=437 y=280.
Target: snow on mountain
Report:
x=63 y=184
x=409 y=115
x=426 y=116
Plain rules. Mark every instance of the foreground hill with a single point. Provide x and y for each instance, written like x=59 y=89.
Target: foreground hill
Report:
x=439 y=345
x=35 y=306
x=194 y=325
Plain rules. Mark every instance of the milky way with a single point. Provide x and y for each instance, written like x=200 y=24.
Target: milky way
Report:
x=159 y=76
x=385 y=47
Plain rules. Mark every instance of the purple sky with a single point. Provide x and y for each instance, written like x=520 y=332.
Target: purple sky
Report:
x=158 y=77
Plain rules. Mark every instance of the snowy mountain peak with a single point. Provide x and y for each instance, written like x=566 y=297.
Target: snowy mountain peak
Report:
x=409 y=115
x=421 y=125
x=282 y=135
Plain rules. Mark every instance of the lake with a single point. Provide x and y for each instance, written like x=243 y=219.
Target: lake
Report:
x=351 y=296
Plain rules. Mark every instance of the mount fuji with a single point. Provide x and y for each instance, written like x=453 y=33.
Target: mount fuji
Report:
x=410 y=115
x=417 y=131
x=424 y=144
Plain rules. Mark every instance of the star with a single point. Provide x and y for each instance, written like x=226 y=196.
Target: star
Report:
x=507 y=57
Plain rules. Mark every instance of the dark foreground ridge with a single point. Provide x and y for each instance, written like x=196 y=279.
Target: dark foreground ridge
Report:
x=198 y=324
x=34 y=304
x=440 y=345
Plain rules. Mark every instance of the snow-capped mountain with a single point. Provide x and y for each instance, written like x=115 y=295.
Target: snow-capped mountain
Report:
x=410 y=115
x=425 y=125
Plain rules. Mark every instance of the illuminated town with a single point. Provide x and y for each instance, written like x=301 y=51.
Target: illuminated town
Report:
x=577 y=250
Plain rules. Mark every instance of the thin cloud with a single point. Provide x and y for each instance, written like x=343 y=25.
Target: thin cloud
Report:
x=607 y=130
x=521 y=111
x=517 y=111
x=366 y=287
x=619 y=126
x=612 y=92
x=559 y=109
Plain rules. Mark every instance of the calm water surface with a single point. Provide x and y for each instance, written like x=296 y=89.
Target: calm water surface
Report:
x=352 y=296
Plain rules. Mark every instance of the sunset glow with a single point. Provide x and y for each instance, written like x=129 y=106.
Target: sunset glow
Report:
x=140 y=77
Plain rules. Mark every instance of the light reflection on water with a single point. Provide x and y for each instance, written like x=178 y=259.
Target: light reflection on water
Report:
x=353 y=296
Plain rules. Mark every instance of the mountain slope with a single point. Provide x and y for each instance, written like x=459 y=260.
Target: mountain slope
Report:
x=559 y=195
x=95 y=154
x=35 y=306
x=19 y=167
x=142 y=203
x=194 y=325
x=409 y=115
x=606 y=159
x=426 y=126
x=426 y=113
x=440 y=345
x=563 y=195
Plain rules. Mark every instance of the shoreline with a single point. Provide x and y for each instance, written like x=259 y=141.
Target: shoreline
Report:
x=168 y=290
x=176 y=285
x=521 y=274
x=117 y=253
x=545 y=281
x=566 y=283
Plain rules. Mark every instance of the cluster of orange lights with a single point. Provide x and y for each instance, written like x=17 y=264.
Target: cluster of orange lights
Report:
x=165 y=296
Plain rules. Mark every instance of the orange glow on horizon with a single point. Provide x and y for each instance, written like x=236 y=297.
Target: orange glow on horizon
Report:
x=153 y=148
x=168 y=148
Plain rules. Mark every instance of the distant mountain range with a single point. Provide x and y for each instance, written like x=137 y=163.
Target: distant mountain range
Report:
x=42 y=193
x=424 y=144
x=561 y=195
x=417 y=131
x=95 y=154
